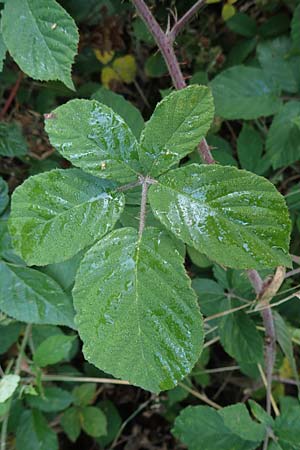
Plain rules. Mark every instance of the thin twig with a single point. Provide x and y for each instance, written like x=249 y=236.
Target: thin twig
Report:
x=293 y=272
x=132 y=416
x=201 y=397
x=180 y=24
x=12 y=95
x=67 y=378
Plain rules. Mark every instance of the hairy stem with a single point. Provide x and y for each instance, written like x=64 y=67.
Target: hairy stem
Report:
x=165 y=42
x=265 y=292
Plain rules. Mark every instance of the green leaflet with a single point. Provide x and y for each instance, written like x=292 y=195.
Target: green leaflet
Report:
x=54 y=399
x=133 y=293
x=53 y=349
x=123 y=107
x=92 y=136
x=3 y=195
x=235 y=217
x=231 y=428
x=70 y=422
x=33 y=432
x=242 y=24
x=8 y=385
x=84 y=394
x=277 y=64
x=41 y=37
x=240 y=338
x=9 y=335
x=55 y=214
x=33 y=297
x=245 y=93
x=12 y=142
x=93 y=421
x=287 y=428
x=178 y=124
x=283 y=140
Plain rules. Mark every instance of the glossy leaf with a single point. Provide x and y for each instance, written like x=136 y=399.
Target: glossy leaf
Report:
x=228 y=429
x=55 y=214
x=123 y=107
x=93 y=421
x=283 y=140
x=94 y=138
x=33 y=297
x=245 y=93
x=12 y=142
x=33 y=432
x=46 y=41
x=8 y=385
x=3 y=195
x=235 y=217
x=178 y=124
x=133 y=293
x=53 y=350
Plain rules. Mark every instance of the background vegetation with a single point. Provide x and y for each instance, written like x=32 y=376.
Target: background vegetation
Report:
x=248 y=52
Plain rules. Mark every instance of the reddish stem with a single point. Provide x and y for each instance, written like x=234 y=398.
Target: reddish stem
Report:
x=165 y=44
x=11 y=96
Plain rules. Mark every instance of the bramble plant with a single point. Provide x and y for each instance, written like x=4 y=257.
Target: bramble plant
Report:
x=131 y=289
x=146 y=238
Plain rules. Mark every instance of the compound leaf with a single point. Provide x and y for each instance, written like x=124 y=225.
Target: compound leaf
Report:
x=132 y=292
x=55 y=214
x=235 y=217
x=178 y=124
x=93 y=137
x=41 y=37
